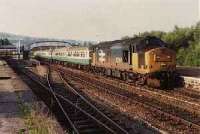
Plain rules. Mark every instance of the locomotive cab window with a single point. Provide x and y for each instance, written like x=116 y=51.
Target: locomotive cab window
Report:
x=125 y=56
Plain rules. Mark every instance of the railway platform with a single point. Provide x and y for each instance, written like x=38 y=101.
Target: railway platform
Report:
x=18 y=104
x=191 y=76
x=192 y=82
x=12 y=90
x=21 y=109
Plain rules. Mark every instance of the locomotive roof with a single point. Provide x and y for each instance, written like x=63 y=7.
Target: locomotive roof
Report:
x=137 y=41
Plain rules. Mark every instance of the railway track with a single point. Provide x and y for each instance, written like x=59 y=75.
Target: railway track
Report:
x=84 y=117
x=181 y=97
x=194 y=95
x=190 y=122
x=182 y=94
x=81 y=116
x=173 y=115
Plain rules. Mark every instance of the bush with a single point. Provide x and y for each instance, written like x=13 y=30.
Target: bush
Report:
x=185 y=41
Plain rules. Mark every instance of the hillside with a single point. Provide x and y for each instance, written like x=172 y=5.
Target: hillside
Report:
x=14 y=39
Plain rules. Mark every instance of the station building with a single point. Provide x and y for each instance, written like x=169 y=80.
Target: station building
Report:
x=8 y=50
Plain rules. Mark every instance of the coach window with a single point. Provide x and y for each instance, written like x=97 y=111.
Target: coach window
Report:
x=70 y=53
x=74 y=54
x=83 y=54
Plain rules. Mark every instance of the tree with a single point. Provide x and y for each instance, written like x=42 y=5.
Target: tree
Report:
x=4 y=42
x=185 y=41
x=7 y=42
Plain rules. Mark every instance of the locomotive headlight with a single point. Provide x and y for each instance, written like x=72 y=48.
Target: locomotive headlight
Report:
x=168 y=57
x=157 y=57
x=163 y=65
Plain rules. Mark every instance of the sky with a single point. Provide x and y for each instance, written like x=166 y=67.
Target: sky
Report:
x=95 y=20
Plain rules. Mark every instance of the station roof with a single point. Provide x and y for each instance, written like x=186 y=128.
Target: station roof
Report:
x=45 y=47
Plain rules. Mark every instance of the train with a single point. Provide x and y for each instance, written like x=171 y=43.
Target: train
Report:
x=140 y=60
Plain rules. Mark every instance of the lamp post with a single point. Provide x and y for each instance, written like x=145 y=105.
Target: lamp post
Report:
x=51 y=51
x=18 y=48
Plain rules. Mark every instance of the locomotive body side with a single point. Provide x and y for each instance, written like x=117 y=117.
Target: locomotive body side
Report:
x=136 y=57
x=112 y=57
x=139 y=59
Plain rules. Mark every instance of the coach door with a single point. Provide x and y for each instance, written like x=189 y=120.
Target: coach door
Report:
x=141 y=59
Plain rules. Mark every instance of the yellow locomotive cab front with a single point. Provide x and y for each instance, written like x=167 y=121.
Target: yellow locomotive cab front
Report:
x=160 y=59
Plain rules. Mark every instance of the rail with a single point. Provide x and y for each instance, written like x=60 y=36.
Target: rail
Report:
x=145 y=104
x=57 y=97
x=101 y=113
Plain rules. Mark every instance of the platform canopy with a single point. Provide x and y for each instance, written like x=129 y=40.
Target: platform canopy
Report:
x=49 y=45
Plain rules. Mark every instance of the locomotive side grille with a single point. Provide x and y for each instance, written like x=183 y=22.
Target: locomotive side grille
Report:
x=162 y=58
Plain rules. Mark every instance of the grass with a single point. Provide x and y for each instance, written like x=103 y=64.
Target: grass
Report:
x=36 y=122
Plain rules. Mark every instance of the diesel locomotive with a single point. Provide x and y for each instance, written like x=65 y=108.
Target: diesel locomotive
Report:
x=141 y=60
